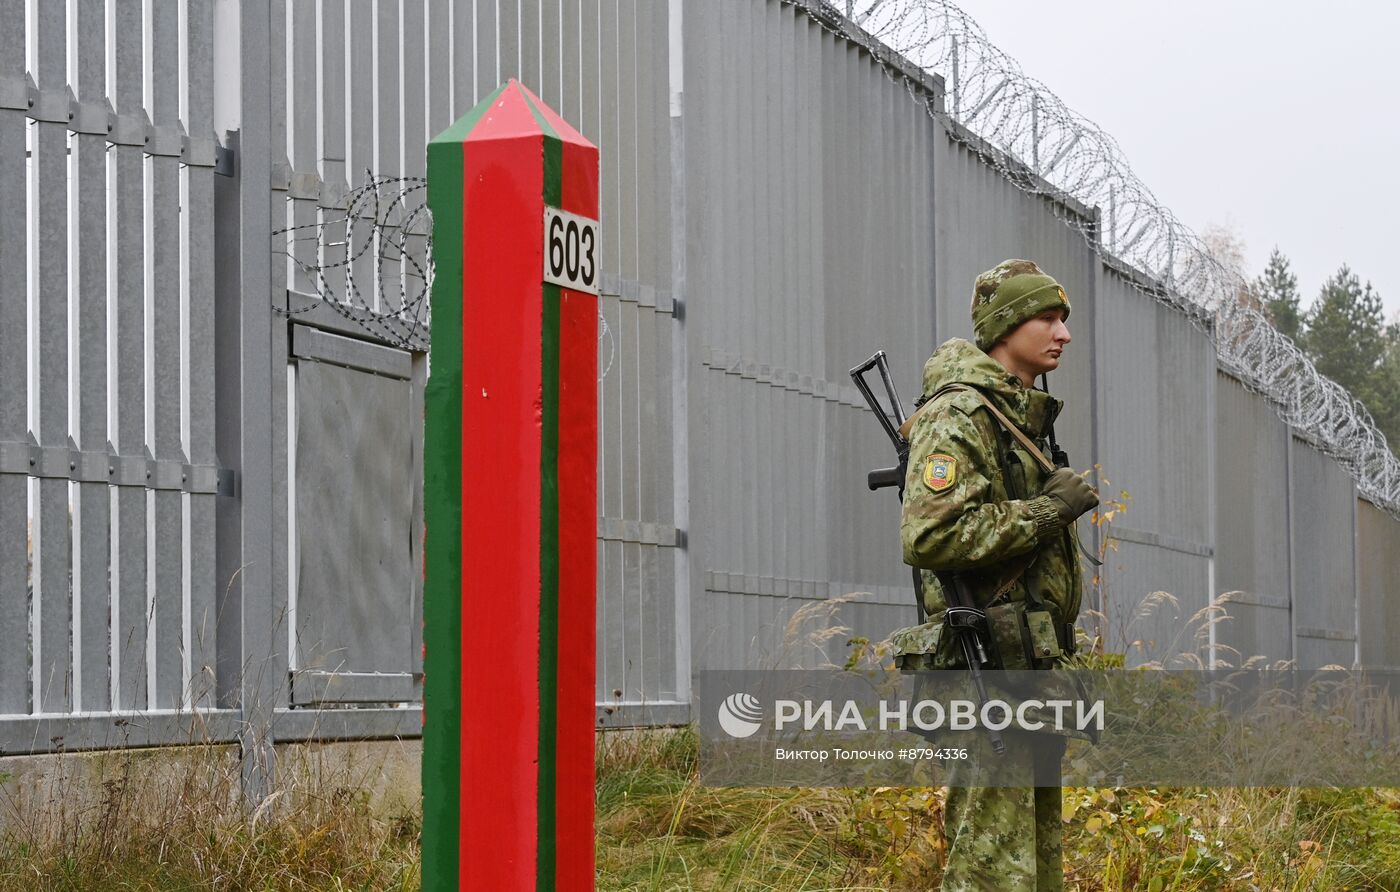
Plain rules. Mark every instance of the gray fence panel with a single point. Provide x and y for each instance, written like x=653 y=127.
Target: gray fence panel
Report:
x=129 y=574
x=201 y=618
x=14 y=377
x=1155 y=390
x=1324 y=572
x=1252 y=557
x=1378 y=568
x=1144 y=625
x=355 y=568
x=53 y=596
x=92 y=507
x=167 y=446
x=781 y=443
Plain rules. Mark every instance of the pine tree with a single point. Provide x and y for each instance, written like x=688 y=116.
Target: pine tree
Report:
x=1278 y=289
x=1344 y=332
x=1384 y=398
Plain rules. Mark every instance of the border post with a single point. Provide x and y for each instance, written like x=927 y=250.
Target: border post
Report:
x=510 y=505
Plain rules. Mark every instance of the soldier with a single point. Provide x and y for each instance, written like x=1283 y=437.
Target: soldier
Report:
x=978 y=504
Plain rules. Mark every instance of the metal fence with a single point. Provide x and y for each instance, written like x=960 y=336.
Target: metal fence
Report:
x=210 y=456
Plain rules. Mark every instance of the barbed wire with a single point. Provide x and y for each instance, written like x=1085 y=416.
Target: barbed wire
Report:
x=383 y=233
x=1022 y=129
x=389 y=217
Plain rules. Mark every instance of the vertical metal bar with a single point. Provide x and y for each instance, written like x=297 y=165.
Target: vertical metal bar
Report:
x=590 y=81
x=199 y=267
x=415 y=157
x=278 y=605
x=303 y=127
x=610 y=402
x=440 y=24
x=388 y=147
x=508 y=41
x=485 y=55
x=462 y=61
x=680 y=354
x=528 y=43
x=53 y=598
x=644 y=472
x=15 y=678
x=629 y=373
x=164 y=325
x=128 y=349
x=334 y=176
x=551 y=83
x=92 y=513
x=415 y=92
x=415 y=530
x=360 y=63
x=609 y=98
x=259 y=679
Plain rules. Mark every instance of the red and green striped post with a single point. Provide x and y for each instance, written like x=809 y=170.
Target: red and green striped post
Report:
x=510 y=506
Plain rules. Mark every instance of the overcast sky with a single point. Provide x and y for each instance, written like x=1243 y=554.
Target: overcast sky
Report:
x=1280 y=120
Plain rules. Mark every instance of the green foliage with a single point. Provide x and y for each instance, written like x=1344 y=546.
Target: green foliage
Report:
x=1345 y=332
x=1277 y=288
x=1346 y=336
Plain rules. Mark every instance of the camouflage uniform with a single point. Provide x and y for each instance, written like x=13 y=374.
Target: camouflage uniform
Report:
x=962 y=514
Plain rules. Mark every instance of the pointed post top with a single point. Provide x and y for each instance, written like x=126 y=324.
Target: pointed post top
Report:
x=511 y=112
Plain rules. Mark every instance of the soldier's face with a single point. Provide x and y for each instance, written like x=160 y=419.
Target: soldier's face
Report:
x=1035 y=345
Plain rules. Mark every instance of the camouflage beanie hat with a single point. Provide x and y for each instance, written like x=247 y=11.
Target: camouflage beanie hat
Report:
x=1007 y=295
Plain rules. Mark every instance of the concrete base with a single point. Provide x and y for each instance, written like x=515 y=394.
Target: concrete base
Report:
x=59 y=795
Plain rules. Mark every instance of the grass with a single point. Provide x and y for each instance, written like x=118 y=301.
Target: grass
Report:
x=148 y=820
x=658 y=829
x=179 y=828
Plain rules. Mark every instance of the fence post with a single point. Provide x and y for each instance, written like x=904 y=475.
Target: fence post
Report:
x=251 y=584
x=510 y=445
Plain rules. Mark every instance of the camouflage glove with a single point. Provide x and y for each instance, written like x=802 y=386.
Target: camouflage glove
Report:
x=1070 y=495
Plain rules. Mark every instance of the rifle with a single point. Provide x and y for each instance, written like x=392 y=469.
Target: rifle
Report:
x=966 y=621
x=1057 y=455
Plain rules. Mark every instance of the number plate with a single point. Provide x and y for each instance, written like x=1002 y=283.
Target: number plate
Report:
x=570 y=251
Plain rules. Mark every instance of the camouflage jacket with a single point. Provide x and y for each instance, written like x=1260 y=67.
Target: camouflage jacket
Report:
x=962 y=514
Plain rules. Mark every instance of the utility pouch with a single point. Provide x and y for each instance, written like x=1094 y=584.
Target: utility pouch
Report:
x=1044 y=635
x=916 y=647
x=1023 y=638
x=1007 y=624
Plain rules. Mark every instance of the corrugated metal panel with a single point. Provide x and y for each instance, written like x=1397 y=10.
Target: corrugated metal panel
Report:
x=812 y=218
x=1323 y=542
x=1378 y=569
x=1148 y=627
x=1252 y=512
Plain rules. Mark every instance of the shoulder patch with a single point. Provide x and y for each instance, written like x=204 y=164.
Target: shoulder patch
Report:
x=940 y=472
